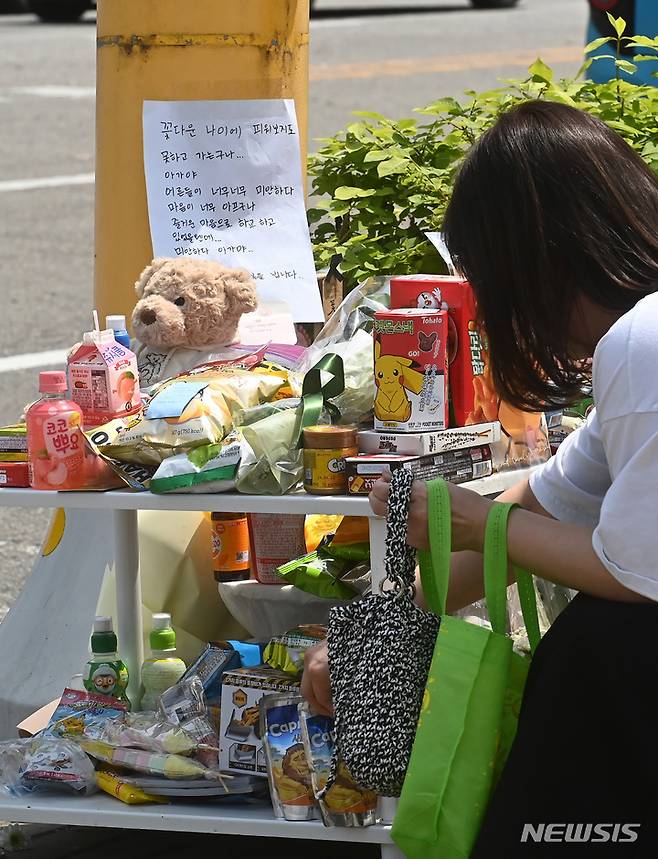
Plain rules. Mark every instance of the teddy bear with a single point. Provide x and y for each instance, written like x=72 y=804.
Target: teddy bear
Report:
x=187 y=313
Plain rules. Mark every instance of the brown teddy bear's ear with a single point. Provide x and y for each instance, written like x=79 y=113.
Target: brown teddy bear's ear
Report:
x=241 y=290
x=147 y=274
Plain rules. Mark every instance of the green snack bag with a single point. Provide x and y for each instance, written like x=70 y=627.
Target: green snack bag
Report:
x=319 y=576
x=286 y=652
x=469 y=713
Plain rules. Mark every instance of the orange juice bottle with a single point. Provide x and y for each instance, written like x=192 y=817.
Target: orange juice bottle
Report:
x=55 y=444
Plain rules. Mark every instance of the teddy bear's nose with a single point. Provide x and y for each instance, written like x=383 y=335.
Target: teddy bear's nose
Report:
x=148 y=317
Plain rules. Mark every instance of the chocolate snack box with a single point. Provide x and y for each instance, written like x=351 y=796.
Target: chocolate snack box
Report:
x=419 y=444
x=457 y=466
x=240 y=741
x=411 y=370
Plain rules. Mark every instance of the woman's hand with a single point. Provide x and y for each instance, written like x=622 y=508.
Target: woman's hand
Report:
x=316 y=686
x=469 y=514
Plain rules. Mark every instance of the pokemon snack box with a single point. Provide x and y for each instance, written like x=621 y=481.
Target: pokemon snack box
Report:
x=411 y=370
x=465 y=351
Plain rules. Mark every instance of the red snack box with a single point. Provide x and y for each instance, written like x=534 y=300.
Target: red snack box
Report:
x=14 y=474
x=411 y=370
x=465 y=357
x=474 y=400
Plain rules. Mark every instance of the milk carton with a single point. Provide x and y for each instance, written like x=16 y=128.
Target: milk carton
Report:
x=411 y=370
x=103 y=379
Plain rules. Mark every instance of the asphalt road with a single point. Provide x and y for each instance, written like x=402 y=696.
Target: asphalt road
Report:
x=383 y=56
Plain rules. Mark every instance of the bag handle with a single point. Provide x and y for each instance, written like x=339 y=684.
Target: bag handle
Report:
x=400 y=557
x=435 y=564
x=495 y=577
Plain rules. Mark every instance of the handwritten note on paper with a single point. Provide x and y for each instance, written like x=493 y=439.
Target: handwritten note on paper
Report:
x=224 y=181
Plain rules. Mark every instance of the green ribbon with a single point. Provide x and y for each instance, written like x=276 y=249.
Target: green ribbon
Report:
x=316 y=395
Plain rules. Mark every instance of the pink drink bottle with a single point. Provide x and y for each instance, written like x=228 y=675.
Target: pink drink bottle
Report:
x=55 y=444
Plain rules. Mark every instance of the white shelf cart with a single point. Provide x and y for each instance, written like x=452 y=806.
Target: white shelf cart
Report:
x=253 y=818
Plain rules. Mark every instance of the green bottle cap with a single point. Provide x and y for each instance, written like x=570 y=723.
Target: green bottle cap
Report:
x=162 y=635
x=103 y=639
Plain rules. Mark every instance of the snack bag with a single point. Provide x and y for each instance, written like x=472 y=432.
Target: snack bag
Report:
x=286 y=652
x=345 y=803
x=82 y=713
x=210 y=468
x=54 y=763
x=111 y=783
x=288 y=772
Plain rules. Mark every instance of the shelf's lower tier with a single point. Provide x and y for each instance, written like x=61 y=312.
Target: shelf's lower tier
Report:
x=255 y=818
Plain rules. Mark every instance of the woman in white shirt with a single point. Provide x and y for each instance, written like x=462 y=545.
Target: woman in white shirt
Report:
x=554 y=220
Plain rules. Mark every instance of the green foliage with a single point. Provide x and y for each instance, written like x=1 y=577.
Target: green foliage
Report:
x=384 y=183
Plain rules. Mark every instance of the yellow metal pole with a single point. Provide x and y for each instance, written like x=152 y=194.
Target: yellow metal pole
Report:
x=170 y=50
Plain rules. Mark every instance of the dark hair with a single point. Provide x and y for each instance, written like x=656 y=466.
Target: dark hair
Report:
x=550 y=203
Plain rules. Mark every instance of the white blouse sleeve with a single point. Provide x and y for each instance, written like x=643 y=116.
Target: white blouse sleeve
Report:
x=572 y=484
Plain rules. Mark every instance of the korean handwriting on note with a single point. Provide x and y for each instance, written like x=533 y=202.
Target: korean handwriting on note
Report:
x=224 y=181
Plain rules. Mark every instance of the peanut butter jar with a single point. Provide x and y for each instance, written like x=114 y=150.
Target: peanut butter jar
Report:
x=325 y=451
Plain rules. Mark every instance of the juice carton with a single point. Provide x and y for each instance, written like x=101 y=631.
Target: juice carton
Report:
x=432 y=291
x=103 y=379
x=474 y=401
x=411 y=370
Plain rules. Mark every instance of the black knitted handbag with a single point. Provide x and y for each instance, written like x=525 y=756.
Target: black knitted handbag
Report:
x=380 y=650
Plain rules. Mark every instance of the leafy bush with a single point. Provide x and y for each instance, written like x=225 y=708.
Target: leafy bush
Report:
x=384 y=183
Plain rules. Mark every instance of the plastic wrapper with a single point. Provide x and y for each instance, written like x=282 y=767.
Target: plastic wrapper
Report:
x=151 y=763
x=286 y=652
x=348 y=333
x=113 y=784
x=12 y=754
x=345 y=803
x=245 y=417
x=149 y=732
x=184 y=413
x=271 y=464
x=82 y=713
x=324 y=576
x=339 y=568
x=53 y=763
x=184 y=704
x=288 y=772
x=210 y=468
x=208 y=669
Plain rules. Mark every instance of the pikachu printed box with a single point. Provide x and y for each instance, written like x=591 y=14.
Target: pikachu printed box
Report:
x=411 y=373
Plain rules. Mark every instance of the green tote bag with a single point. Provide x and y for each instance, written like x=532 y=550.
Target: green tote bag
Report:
x=472 y=698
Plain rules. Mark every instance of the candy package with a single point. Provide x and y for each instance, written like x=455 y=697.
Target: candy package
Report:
x=82 y=713
x=111 y=783
x=344 y=803
x=151 y=763
x=184 y=704
x=286 y=652
x=55 y=763
x=288 y=772
x=149 y=732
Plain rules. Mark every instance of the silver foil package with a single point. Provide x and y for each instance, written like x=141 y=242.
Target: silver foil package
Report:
x=288 y=771
x=344 y=803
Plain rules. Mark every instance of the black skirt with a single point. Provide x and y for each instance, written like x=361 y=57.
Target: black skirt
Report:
x=582 y=775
